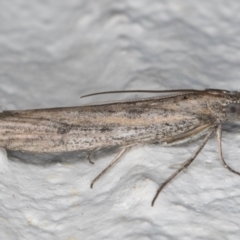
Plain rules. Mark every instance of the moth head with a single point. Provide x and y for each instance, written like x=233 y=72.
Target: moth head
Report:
x=233 y=111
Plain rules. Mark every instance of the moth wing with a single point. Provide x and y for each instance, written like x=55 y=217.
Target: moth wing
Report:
x=191 y=135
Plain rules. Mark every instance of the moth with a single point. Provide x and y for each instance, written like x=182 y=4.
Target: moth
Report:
x=181 y=117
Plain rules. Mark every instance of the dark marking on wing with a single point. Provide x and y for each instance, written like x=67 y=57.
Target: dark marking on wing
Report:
x=64 y=128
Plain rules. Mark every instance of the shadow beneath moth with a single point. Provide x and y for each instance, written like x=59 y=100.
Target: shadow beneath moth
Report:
x=181 y=117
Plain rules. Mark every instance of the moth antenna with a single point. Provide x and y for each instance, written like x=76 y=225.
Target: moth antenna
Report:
x=141 y=91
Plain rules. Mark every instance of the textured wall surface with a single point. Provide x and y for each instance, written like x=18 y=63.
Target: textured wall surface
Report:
x=52 y=52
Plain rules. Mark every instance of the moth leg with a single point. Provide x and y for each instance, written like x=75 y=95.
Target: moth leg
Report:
x=176 y=165
x=89 y=157
x=184 y=165
x=219 y=137
x=116 y=158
